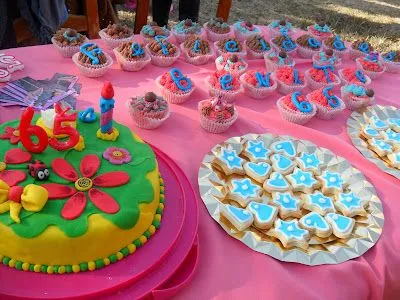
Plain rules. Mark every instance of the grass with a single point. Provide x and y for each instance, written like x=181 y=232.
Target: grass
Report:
x=377 y=21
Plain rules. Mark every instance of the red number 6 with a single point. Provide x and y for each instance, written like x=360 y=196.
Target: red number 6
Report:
x=26 y=131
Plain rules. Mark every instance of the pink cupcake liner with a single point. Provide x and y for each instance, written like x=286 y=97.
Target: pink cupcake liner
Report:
x=275 y=32
x=371 y=74
x=172 y=97
x=339 y=53
x=214 y=37
x=214 y=126
x=241 y=54
x=144 y=121
x=319 y=36
x=92 y=71
x=305 y=52
x=392 y=66
x=258 y=93
x=147 y=39
x=353 y=102
x=286 y=89
x=228 y=96
x=197 y=60
x=346 y=82
x=244 y=36
x=132 y=66
x=163 y=61
x=181 y=37
x=257 y=55
x=316 y=61
x=272 y=66
x=112 y=43
x=356 y=53
x=295 y=116
x=233 y=72
x=326 y=113
x=67 y=51
x=314 y=85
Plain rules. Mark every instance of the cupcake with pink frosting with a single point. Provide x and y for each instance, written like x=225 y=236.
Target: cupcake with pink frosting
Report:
x=216 y=115
x=371 y=65
x=296 y=108
x=258 y=84
x=231 y=63
x=327 y=57
x=321 y=76
x=225 y=85
x=175 y=87
x=391 y=60
x=353 y=76
x=320 y=30
x=327 y=103
x=290 y=80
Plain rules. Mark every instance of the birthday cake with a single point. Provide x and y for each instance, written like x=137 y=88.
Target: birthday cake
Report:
x=79 y=203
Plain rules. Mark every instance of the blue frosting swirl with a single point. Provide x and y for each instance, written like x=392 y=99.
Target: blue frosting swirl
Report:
x=357 y=90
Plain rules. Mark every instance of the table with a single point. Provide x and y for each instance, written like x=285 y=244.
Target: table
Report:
x=227 y=268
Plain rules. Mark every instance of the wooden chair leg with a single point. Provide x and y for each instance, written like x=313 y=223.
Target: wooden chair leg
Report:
x=92 y=14
x=142 y=11
x=224 y=7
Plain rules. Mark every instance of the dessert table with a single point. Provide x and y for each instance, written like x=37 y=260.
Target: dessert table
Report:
x=227 y=268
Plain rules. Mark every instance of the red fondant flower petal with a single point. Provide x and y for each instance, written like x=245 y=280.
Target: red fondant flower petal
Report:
x=14 y=139
x=74 y=207
x=8 y=132
x=17 y=156
x=89 y=165
x=103 y=201
x=58 y=191
x=111 y=179
x=12 y=177
x=63 y=169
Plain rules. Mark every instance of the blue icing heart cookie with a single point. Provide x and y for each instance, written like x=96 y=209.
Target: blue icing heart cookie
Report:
x=319 y=202
x=309 y=162
x=263 y=214
x=302 y=180
x=258 y=171
x=315 y=223
x=285 y=147
x=282 y=164
x=255 y=150
x=276 y=182
x=239 y=217
x=342 y=226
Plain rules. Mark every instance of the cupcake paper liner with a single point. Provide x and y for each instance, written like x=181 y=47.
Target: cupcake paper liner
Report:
x=346 y=82
x=272 y=66
x=132 y=66
x=171 y=97
x=147 y=39
x=320 y=37
x=181 y=37
x=214 y=37
x=392 y=66
x=286 y=89
x=214 y=126
x=244 y=36
x=326 y=113
x=316 y=61
x=356 y=53
x=144 y=121
x=305 y=52
x=257 y=55
x=278 y=48
x=197 y=60
x=275 y=32
x=67 y=51
x=338 y=53
x=295 y=116
x=371 y=74
x=353 y=102
x=112 y=42
x=314 y=85
x=233 y=72
x=228 y=96
x=241 y=54
x=92 y=71
x=258 y=93
x=163 y=61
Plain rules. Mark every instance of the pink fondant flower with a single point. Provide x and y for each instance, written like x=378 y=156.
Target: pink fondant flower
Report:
x=76 y=204
x=12 y=134
x=117 y=156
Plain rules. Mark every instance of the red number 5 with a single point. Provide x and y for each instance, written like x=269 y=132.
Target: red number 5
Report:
x=60 y=128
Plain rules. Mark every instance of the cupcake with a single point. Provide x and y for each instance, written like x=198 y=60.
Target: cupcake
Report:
x=196 y=50
x=328 y=105
x=217 y=29
x=336 y=45
x=353 y=76
x=243 y=30
x=162 y=52
x=284 y=43
x=392 y=61
x=327 y=57
x=175 y=87
x=225 y=85
x=357 y=96
x=360 y=48
x=231 y=63
x=132 y=56
x=216 y=115
x=321 y=76
x=279 y=27
x=148 y=111
x=274 y=61
x=258 y=84
x=307 y=46
x=151 y=30
x=290 y=80
x=91 y=60
x=296 y=108
x=184 y=28
x=257 y=46
x=320 y=30
x=116 y=34
x=67 y=41
x=371 y=65
x=230 y=45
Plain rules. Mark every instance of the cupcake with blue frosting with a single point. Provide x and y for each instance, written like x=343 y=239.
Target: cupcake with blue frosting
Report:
x=357 y=96
x=68 y=41
x=284 y=43
x=217 y=29
x=320 y=30
x=197 y=51
x=391 y=60
x=360 y=48
x=150 y=31
x=276 y=60
x=326 y=57
x=92 y=61
x=277 y=27
x=337 y=45
x=230 y=45
x=186 y=28
x=243 y=30
x=307 y=46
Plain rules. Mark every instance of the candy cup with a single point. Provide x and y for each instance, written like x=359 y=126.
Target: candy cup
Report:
x=233 y=72
x=214 y=37
x=297 y=117
x=228 y=96
x=317 y=62
x=327 y=113
x=147 y=39
x=241 y=54
x=257 y=55
x=181 y=37
x=315 y=85
x=92 y=71
x=113 y=42
x=354 y=102
x=275 y=31
x=163 y=61
x=277 y=48
x=392 y=66
x=67 y=51
x=242 y=36
x=214 y=126
x=172 y=97
x=197 y=60
x=143 y=121
x=134 y=65
x=273 y=66
x=339 y=53
x=354 y=53
x=371 y=74
x=305 y=52
x=258 y=93
x=321 y=36
x=346 y=82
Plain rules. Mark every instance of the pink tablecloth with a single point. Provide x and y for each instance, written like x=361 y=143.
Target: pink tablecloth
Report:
x=227 y=267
